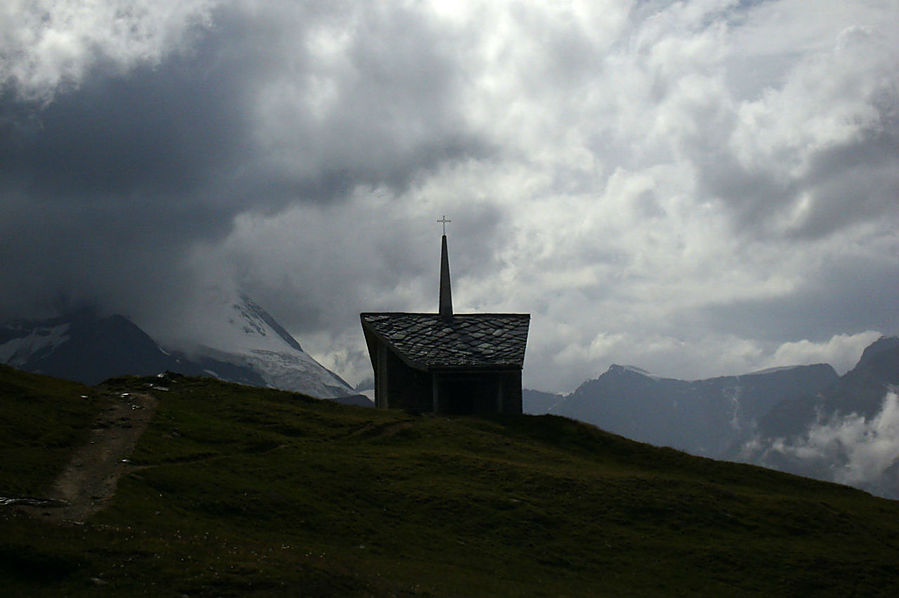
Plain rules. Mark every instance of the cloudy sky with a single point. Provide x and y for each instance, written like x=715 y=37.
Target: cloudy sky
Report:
x=697 y=188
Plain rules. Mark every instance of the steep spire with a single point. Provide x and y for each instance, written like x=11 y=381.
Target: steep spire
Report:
x=446 y=296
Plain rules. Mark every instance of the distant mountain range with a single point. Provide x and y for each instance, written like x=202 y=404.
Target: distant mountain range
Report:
x=249 y=347
x=703 y=417
x=802 y=419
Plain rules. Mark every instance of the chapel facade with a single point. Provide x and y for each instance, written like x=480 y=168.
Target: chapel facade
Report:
x=444 y=362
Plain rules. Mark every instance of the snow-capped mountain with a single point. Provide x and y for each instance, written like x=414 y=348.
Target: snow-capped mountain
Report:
x=238 y=331
x=240 y=343
x=86 y=347
x=81 y=346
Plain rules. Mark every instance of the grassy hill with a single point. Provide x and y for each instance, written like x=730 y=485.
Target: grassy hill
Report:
x=236 y=491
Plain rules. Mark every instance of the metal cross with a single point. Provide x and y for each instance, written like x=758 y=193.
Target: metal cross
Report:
x=443 y=221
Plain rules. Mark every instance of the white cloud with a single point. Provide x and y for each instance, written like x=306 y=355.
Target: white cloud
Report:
x=858 y=450
x=48 y=43
x=841 y=351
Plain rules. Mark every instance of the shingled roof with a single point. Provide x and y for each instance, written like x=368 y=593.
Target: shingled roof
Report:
x=427 y=341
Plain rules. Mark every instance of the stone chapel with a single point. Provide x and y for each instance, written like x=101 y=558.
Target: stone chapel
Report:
x=445 y=362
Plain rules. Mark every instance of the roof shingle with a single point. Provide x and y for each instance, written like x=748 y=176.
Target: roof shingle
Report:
x=466 y=340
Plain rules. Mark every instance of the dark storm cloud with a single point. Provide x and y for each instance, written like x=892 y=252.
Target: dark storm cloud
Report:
x=842 y=184
x=159 y=132
x=114 y=179
x=853 y=182
x=851 y=294
x=752 y=195
x=190 y=125
x=109 y=185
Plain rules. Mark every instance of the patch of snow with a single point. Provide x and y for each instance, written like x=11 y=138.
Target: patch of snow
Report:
x=634 y=369
x=235 y=324
x=18 y=351
x=784 y=368
x=287 y=370
x=733 y=395
x=237 y=330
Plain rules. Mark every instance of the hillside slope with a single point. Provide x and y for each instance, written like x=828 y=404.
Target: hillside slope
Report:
x=245 y=491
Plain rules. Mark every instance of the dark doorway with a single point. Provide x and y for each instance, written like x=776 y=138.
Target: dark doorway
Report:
x=469 y=394
x=459 y=395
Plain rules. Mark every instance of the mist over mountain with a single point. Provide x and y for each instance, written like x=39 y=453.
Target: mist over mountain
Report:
x=805 y=420
x=83 y=346
x=860 y=391
x=233 y=329
x=847 y=432
x=245 y=344
x=703 y=417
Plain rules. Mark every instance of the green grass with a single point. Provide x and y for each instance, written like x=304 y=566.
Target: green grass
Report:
x=240 y=491
x=41 y=419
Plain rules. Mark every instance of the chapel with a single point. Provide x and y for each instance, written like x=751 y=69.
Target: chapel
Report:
x=444 y=362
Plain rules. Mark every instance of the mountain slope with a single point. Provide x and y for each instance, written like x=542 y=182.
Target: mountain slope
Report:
x=248 y=347
x=860 y=390
x=88 y=348
x=703 y=417
x=251 y=492
x=536 y=402
x=241 y=333
x=847 y=432
x=81 y=346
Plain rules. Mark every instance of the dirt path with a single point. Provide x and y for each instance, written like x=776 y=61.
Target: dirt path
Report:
x=89 y=480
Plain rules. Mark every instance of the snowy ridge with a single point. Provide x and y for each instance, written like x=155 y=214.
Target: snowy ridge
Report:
x=251 y=311
x=239 y=331
x=230 y=337
x=18 y=350
x=784 y=368
x=635 y=370
x=295 y=371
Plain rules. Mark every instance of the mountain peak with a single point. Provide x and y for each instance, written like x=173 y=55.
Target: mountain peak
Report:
x=884 y=343
x=81 y=346
x=238 y=341
x=796 y=369
x=239 y=331
x=625 y=369
x=256 y=319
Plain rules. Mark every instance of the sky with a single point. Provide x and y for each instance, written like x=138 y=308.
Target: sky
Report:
x=697 y=188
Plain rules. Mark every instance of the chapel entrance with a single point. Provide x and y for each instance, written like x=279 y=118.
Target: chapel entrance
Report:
x=469 y=394
x=458 y=394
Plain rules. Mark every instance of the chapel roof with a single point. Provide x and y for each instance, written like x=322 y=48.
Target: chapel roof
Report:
x=429 y=341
